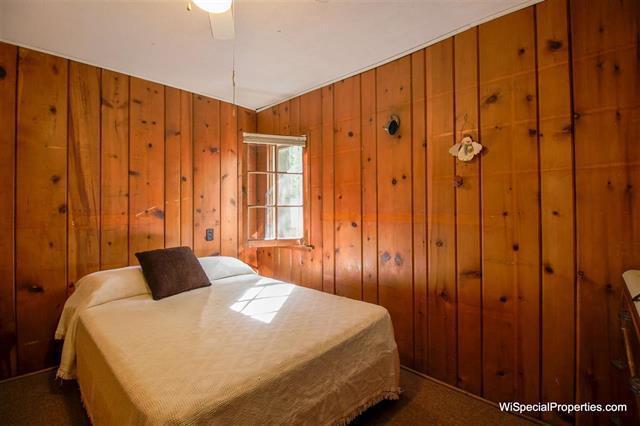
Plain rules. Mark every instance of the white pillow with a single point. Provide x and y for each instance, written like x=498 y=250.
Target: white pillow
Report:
x=219 y=267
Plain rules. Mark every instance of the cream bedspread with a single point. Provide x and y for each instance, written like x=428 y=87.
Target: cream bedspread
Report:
x=247 y=350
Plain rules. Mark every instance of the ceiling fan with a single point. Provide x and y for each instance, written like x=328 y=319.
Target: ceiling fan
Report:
x=220 y=17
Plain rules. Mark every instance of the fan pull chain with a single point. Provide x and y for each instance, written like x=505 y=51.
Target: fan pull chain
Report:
x=233 y=71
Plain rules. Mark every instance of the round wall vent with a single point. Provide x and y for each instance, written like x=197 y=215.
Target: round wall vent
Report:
x=393 y=125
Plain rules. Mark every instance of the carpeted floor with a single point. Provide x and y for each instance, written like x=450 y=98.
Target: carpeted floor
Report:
x=39 y=399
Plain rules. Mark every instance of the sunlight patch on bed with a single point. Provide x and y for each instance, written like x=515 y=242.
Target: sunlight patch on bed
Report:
x=263 y=301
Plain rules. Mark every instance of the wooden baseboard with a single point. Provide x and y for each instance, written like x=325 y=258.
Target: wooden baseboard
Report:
x=22 y=376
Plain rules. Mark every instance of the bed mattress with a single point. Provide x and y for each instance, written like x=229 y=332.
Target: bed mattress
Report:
x=247 y=350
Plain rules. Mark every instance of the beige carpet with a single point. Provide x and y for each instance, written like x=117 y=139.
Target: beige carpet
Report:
x=39 y=399
x=428 y=402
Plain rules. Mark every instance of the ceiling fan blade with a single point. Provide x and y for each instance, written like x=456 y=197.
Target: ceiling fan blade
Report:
x=222 y=25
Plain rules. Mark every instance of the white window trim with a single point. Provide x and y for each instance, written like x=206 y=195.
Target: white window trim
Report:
x=276 y=141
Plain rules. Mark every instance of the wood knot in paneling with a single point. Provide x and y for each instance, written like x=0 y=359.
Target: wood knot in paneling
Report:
x=492 y=99
x=471 y=274
x=554 y=45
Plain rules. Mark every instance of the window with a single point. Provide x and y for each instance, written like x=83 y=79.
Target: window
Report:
x=275 y=189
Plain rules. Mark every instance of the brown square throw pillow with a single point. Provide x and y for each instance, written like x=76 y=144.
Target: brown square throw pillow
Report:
x=171 y=271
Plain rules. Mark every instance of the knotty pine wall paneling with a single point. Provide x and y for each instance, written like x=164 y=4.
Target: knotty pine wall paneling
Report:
x=557 y=206
x=83 y=172
x=441 y=276
x=395 y=263
x=510 y=208
x=419 y=210
x=311 y=125
x=114 y=184
x=94 y=167
x=172 y=155
x=328 y=191
x=347 y=196
x=41 y=205
x=186 y=169
x=228 y=184
x=146 y=171
x=8 y=86
x=206 y=174
x=606 y=107
x=228 y=171
x=369 y=164
x=468 y=214
x=516 y=292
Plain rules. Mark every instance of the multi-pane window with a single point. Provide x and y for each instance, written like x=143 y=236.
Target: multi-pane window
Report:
x=275 y=189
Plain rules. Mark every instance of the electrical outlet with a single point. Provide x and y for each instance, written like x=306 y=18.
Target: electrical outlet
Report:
x=208 y=236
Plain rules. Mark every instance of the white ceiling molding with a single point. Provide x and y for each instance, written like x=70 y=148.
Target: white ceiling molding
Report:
x=283 y=48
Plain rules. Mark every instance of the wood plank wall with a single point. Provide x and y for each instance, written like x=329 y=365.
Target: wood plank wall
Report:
x=94 y=167
x=502 y=275
x=606 y=123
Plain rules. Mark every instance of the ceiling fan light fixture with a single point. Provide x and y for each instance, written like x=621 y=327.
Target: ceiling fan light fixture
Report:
x=214 y=6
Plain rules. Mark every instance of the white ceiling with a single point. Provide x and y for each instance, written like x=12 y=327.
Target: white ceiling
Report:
x=282 y=48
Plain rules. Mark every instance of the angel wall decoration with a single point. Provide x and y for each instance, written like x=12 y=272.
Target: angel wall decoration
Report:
x=466 y=149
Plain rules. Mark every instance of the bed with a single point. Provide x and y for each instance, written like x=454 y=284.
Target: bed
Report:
x=246 y=350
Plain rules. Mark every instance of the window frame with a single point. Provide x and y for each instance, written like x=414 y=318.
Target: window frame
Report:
x=274 y=142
